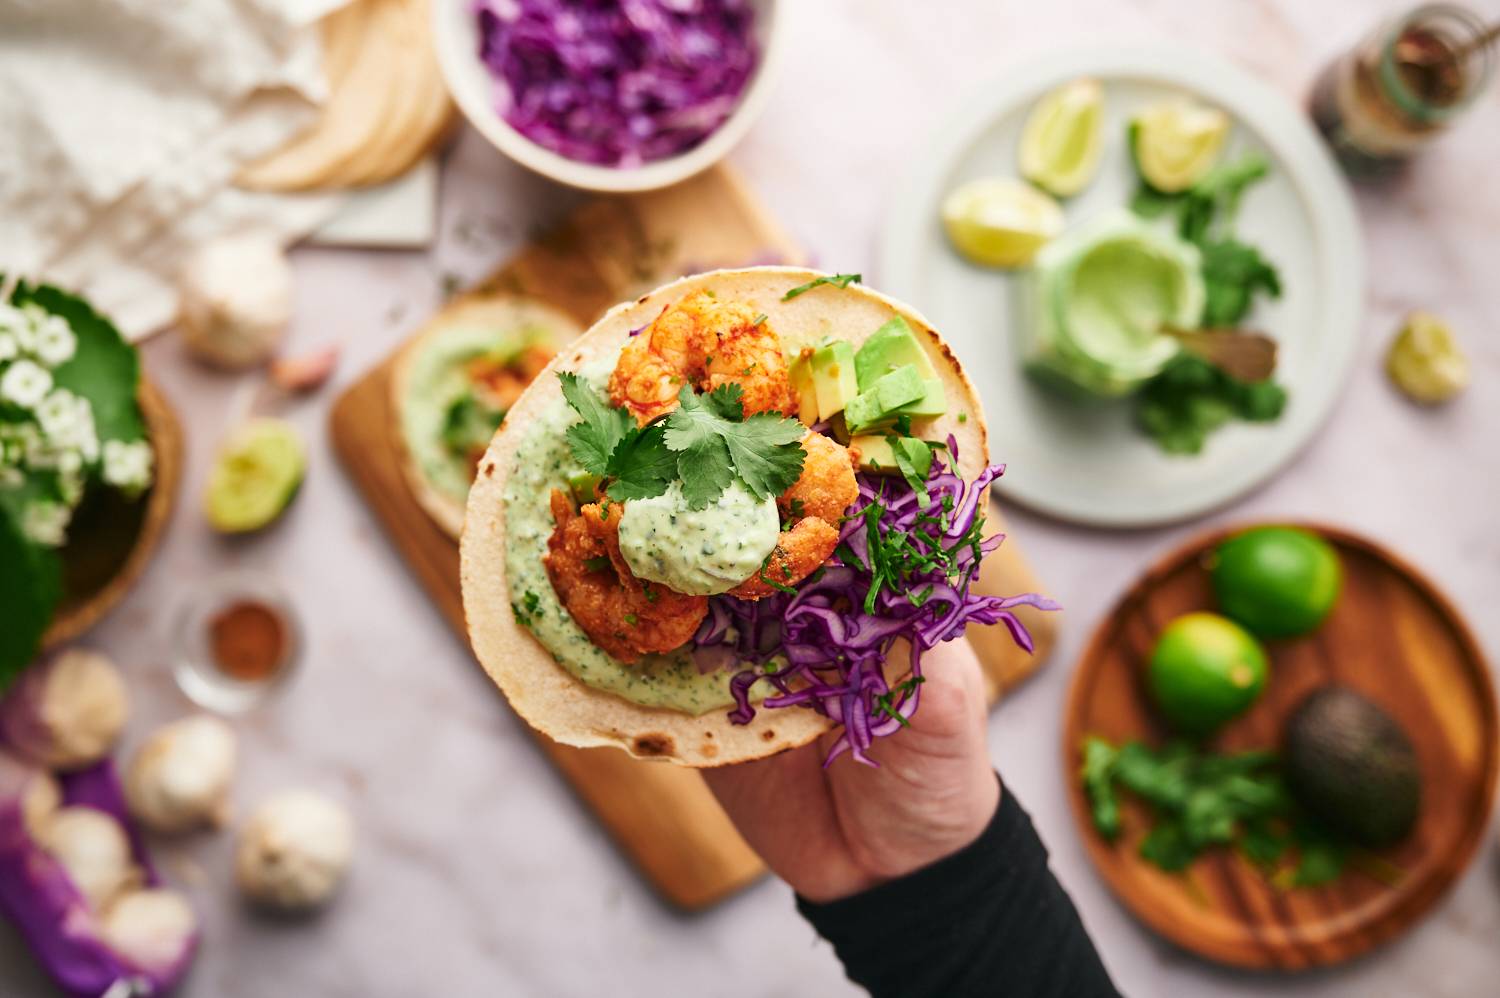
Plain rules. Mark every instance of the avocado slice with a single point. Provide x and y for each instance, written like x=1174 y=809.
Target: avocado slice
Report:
x=881 y=402
x=934 y=401
x=802 y=383
x=1350 y=764
x=880 y=453
x=833 y=377
x=889 y=348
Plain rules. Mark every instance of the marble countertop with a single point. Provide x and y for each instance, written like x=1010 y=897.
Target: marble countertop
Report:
x=477 y=871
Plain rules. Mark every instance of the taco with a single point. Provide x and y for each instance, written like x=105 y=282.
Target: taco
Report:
x=452 y=385
x=731 y=517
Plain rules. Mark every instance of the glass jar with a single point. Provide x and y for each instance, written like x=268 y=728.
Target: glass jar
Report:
x=1402 y=86
x=213 y=674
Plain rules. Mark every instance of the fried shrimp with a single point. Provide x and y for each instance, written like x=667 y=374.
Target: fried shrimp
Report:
x=705 y=343
x=622 y=615
x=813 y=507
x=500 y=381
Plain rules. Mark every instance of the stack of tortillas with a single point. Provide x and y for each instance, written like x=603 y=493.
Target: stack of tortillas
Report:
x=387 y=104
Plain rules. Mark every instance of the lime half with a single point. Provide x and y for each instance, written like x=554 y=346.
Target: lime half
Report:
x=1000 y=222
x=1425 y=361
x=1176 y=142
x=1060 y=140
x=255 y=475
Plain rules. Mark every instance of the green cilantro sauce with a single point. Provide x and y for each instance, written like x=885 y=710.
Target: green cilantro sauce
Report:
x=543 y=463
x=699 y=552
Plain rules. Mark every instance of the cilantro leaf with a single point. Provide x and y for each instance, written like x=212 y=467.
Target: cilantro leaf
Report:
x=1098 y=782
x=1191 y=398
x=836 y=280
x=1232 y=274
x=767 y=453
x=715 y=445
x=603 y=429
x=642 y=465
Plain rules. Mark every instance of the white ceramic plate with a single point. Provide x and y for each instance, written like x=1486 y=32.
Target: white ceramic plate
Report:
x=1088 y=463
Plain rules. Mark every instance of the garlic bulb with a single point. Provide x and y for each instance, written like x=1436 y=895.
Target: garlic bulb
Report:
x=153 y=929
x=28 y=792
x=67 y=711
x=94 y=850
x=294 y=850
x=236 y=299
x=180 y=777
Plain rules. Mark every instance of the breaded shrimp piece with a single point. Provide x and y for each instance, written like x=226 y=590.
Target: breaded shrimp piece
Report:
x=702 y=342
x=814 y=505
x=619 y=613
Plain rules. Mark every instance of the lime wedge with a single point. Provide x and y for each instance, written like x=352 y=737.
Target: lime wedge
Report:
x=1000 y=222
x=1060 y=141
x=255 y=475
x=1425 y=361
x=1176 y=142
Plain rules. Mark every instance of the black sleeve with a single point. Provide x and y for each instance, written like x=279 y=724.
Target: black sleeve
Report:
x=988 y=920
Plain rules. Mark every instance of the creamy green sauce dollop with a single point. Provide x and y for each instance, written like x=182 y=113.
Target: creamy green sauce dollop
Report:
x=543 y=462
x=698 y=552
x=1100 y=298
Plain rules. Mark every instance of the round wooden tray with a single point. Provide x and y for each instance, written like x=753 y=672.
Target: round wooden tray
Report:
x=1394 y=637
x=111 y=541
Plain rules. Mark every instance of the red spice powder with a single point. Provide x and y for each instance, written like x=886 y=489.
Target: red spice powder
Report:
x=249 y=641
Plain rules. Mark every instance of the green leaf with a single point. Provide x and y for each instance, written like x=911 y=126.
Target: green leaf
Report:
x=642 y=465
x=30 y=589
x=767 y=454
x=1167 y=846
x=1191 y=398
x=714 y=447
x=105 y=369
x=1098 y=772
x=836 y=280
x=602 y=430
x=1233 y=273
x=469 y=424
x=1148 y=202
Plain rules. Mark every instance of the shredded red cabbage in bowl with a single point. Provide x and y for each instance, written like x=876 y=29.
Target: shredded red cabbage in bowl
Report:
x=902 y=571
x=617 y=82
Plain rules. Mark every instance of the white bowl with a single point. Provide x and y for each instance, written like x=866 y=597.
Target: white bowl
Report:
x=455 y=33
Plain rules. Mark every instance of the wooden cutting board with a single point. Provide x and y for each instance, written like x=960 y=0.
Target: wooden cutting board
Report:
x=662 y=816
x=1392 y=636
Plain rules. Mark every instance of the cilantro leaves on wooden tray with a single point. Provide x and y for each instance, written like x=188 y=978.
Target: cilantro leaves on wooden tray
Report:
x=1200 y=800
x=706 y=442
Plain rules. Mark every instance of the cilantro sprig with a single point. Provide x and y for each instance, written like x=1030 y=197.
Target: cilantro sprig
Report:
x=835 y=280
x=706 y=442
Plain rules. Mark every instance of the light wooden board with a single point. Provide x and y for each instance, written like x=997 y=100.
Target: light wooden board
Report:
x=662 y=816
x=1393 y=637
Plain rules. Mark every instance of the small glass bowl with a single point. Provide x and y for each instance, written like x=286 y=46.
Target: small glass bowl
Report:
x=193 y=665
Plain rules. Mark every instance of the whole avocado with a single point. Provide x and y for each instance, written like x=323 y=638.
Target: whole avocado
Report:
x=1352 y=766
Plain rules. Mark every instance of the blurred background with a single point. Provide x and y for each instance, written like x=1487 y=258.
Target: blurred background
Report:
x=477 y=869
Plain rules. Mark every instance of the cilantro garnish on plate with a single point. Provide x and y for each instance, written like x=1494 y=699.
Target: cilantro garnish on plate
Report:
x=706 y=442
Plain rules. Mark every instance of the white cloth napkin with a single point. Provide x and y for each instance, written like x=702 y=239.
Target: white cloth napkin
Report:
x=123 y=122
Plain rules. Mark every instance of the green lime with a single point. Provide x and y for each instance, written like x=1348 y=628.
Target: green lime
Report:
x=1277 y=581
x=255 y=475
x=1000 y=222
x=1060 y=140
x=1176 y=142
x=1204 y=670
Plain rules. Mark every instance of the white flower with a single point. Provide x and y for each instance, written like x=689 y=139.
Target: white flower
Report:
x=12 y=319
x=46 y=522
x=127 y=466
x=32 y=315
x=58 y=414
x=8 y=347
x=25 y=383
x=55 y=342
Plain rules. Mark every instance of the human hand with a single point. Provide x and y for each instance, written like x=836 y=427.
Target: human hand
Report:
x=835 y=832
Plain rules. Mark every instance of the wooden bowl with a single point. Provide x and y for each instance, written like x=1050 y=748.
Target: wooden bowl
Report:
x=1393 y=637
x=111 y=540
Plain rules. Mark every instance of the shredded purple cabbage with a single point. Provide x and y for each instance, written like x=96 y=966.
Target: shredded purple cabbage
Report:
x=617 y=82
x=836 y=631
